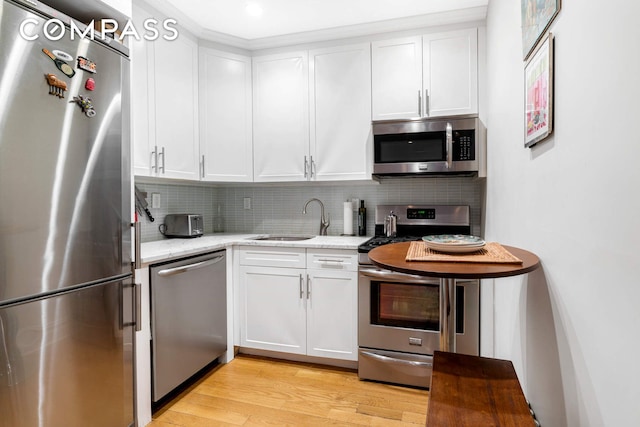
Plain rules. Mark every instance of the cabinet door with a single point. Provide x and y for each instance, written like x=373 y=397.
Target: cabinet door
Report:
x=451 y=72
x=225 y=116
x=281 y=117
x=140 y=118
x=332 y=314
x=175 y=97
x=340 y=119
x=396 y=73
x=274 y=312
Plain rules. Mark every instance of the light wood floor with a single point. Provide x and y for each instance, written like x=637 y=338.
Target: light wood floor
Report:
x=252 y=391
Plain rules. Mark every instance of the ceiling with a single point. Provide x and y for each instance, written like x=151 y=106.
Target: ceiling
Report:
x=287 y=17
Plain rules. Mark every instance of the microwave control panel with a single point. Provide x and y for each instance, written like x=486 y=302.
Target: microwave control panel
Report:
x=464 y=147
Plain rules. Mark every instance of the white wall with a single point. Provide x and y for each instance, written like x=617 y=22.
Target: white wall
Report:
x=571 y=329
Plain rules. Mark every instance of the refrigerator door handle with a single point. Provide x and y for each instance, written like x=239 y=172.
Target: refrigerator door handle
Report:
x=138 y=306
x=138 y=237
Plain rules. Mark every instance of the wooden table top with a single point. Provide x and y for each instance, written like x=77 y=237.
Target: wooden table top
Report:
x=471 y=391
x=392 y=257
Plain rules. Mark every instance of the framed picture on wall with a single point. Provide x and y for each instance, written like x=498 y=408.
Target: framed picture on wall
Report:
x=538 y=96
x=536 y=18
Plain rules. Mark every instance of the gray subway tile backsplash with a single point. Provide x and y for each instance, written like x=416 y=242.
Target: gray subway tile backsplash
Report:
x=277 y=209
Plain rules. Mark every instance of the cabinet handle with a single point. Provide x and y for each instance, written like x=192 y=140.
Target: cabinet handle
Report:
x=162 y=154
x=154 y=159
x=301 y=285
x=202 y=167
x=311 y=167
x=426 y=102
x=449 y=145
x=308 y=287
x=419 y=103
x=305 y=167
x=325 y=260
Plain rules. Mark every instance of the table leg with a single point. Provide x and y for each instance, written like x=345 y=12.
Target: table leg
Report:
x=447 y=315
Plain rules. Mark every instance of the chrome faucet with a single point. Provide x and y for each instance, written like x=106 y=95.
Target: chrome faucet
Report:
x=324 y=223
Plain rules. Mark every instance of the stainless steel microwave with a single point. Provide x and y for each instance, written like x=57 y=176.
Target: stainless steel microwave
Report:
x=432 y=146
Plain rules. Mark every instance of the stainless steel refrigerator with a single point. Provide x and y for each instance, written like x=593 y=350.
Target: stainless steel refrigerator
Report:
x=66 y=296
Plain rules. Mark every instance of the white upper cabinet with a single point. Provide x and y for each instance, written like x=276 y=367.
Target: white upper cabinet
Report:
x=164 y=97
x=140 y=124
x=175 y=98
x=396 y=78
x=429 y=76
x=281 y=117
x=340 y=119
x=312 y=115
x=226 y=149
x=450 y=73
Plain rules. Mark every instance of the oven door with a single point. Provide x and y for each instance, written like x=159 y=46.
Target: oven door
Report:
x=400 y=312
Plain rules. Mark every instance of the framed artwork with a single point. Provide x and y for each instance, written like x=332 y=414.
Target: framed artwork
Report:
x=536 y=18
x=538 y=80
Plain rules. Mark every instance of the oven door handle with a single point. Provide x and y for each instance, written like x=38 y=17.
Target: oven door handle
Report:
x=400 y=277
x=388 y=359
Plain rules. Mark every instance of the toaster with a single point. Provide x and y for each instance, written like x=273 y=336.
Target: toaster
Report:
x=182 y=225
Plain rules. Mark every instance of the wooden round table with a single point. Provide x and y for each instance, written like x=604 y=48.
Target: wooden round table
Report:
x=392 y=257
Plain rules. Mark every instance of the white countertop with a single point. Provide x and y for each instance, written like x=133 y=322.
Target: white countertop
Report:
x=166 y=249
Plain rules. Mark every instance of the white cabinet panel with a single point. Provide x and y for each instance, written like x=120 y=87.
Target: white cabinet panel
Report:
x=451 y=72
x=274 y=308
x=332 y=314
x=143 y=145
x=332 y=259
x=164 y=97
x=273 y=257
x=226 y=147
x=396 y=78
x=429 y=76
x=340 y=94
x=296 y=310
x=175 y=68
x=280 y=116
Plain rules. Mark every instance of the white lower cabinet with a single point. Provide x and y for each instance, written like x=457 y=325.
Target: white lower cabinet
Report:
x=332 y=309
x=300 y=305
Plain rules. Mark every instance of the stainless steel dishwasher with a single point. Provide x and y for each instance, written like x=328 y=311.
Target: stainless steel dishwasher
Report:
x=188 y=318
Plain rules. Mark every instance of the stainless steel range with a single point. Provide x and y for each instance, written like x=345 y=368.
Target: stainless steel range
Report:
x=399 y=314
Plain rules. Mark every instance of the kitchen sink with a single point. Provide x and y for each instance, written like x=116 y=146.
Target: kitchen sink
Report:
x=283 y=238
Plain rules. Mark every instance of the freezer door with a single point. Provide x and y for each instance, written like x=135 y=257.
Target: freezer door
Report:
x=67 y=360
x=64 y=176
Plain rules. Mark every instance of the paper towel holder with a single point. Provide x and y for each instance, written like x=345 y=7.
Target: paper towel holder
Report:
x=347 y=227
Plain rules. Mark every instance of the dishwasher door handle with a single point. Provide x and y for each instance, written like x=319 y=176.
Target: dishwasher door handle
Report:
x=189 y=267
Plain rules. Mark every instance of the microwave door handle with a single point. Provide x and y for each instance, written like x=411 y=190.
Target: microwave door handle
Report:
x=449 y=145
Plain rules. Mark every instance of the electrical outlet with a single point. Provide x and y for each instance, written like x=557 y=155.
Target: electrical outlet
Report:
x=247 y=202
x=155 y=200
x=355 y=204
